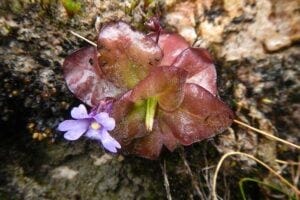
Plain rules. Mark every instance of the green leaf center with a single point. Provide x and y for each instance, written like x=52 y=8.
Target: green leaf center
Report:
x=151 y=104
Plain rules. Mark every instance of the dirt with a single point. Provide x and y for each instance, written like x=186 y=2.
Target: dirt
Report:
x=255 y=45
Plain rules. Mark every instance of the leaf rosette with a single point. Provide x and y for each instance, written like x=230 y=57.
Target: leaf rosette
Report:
x=164 y=91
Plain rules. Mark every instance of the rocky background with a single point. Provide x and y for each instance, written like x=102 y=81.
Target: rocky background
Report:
x=255 y=44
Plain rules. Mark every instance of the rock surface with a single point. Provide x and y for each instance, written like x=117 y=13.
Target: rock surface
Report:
x=256 y=48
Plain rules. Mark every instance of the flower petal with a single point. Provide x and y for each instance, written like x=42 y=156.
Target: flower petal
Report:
x=107 y=122
x=109 y=142
x=93 y=134
x=74 y=128
x=79 y=112
x=68 y=125
x=74 y=134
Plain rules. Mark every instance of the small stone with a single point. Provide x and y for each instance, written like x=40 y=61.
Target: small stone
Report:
x=277 y=42
x=189 y=34
x=40 y=137
x=15 y=93
x=30 y=125
x=211 y=32
x=35 y=135
x=102 y=160
x=182 y=16
x=64 y=172
x=170 y=3
x=120 y=158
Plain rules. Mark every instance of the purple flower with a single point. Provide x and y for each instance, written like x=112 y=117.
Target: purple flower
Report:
x=93 y=125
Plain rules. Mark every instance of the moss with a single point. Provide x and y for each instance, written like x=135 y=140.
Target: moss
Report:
x=15 y=6
x=72 y=7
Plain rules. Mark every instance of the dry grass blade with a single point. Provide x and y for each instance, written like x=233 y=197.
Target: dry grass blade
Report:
x=166 y=181
x=83 y=38
x=266 y=134
x=214 y=186
x=287 y=162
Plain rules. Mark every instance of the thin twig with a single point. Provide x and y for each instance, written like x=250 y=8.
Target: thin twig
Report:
x=296 y=177
x=295 y=172
x=194 y=182
x=166 y=181
x=214 y=192
x=206 y=174
x=287 y=162
x=266 y=134
x=83 y=38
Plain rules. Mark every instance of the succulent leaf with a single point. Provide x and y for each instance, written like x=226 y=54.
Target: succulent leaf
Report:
x=126 y=56
x=200 y=116
x=85 y=79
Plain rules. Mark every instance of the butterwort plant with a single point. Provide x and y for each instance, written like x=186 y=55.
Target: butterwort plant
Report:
x=160 y=91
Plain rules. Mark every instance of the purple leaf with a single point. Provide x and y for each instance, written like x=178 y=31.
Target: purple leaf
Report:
x=199 y=64
x=165 y=83
x=200 y=116
x=130 y=120
x=149 y=146
x=167 y=136
x=126 y=56
x=172 y=44
x=84 y=78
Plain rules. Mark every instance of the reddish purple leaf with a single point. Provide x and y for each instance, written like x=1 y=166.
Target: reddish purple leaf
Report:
x=165 y=83
x=84 y=78
x=126 y=56
x=199 y=64
x=149 y=146
x=167 y=136
x=130 y=120
x=131 y=132
x=172 y=44
x=200 y=116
